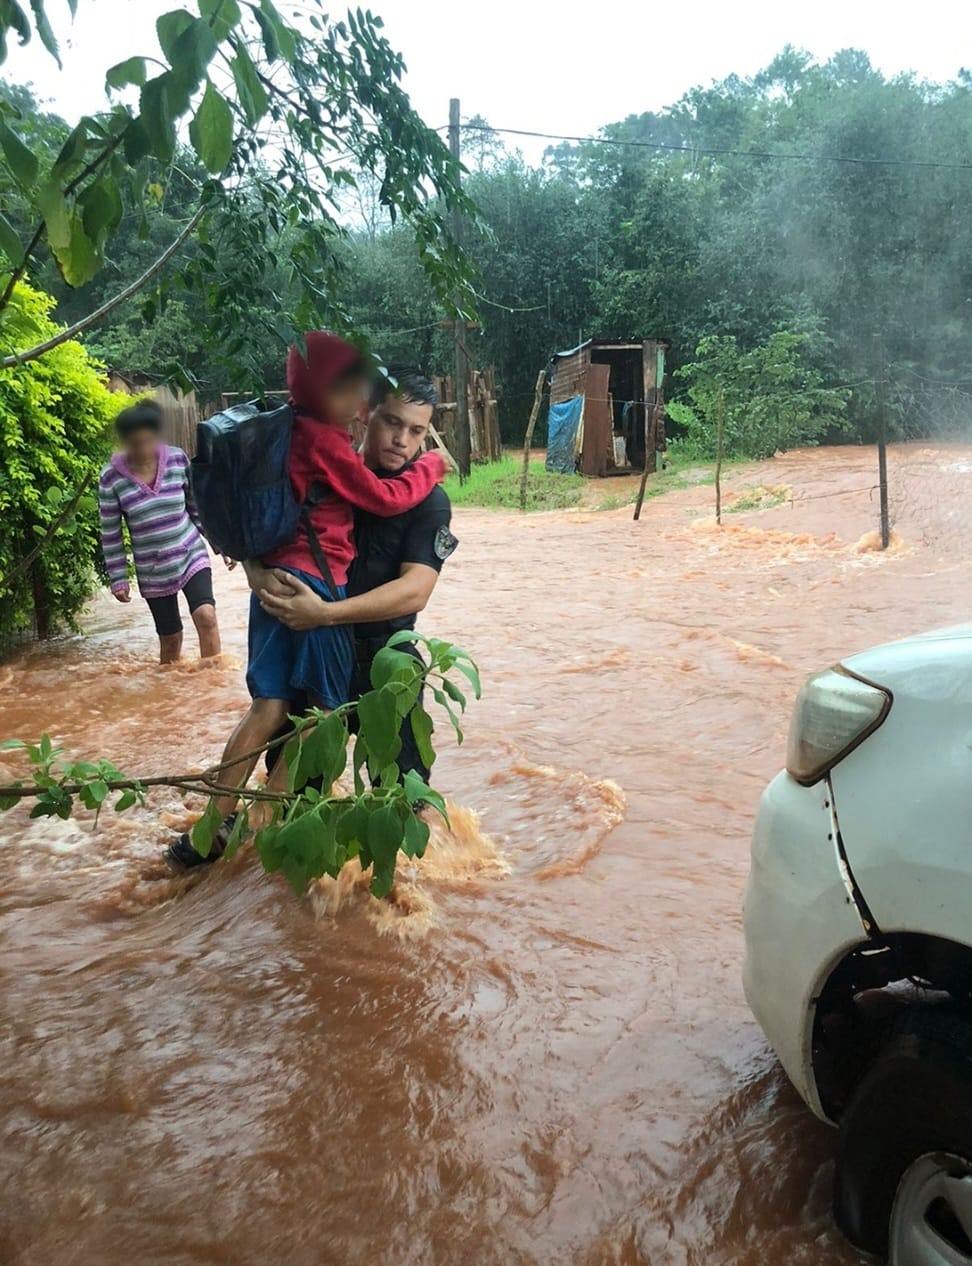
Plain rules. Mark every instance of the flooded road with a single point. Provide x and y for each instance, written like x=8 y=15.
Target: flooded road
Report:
x=543 y=1054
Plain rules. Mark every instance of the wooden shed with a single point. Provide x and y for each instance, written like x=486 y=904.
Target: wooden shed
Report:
x=606 y=407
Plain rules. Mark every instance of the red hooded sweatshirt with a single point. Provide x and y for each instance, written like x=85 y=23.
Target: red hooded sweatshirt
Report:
x=322 y=458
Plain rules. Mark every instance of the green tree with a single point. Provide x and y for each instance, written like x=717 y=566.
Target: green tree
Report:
x=769 y=398
x=55 y=417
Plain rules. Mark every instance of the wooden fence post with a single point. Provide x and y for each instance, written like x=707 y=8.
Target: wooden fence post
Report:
x=651 y=460
x=534 y=413
x=720 y=431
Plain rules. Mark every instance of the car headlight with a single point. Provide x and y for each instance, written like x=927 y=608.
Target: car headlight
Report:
x=834 y=713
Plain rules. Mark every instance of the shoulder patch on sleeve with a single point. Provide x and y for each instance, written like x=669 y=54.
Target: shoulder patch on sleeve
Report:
x=445 y=543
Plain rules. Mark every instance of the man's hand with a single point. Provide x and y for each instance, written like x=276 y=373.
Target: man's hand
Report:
x=298 y=607
x=123 y=594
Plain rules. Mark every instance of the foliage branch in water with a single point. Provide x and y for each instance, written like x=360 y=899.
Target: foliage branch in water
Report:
x=310 y=833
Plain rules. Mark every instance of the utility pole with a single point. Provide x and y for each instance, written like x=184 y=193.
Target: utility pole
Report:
x=463 y=455
x=882 y=440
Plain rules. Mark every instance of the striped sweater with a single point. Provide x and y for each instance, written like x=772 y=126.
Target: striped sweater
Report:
x=162 y=525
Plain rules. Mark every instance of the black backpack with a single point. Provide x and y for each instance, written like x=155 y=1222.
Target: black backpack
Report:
x=241 y=483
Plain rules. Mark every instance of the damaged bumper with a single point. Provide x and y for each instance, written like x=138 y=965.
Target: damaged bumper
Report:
x=801 y=917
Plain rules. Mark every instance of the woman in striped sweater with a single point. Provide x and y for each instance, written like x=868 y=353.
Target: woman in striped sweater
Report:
x=146 y=484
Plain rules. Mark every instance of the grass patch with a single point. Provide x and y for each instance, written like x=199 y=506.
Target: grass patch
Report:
x=497 y=486
x=758 y=498
x=681 y=472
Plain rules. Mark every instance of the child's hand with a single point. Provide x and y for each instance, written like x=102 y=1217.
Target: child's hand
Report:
x=435 y=459
x=123 y=593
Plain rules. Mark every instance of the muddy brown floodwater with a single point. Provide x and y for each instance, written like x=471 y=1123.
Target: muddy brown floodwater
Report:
x=542 y=1054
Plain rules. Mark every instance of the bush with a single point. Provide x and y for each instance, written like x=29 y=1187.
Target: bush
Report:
x=55 y=416
x=771 y=398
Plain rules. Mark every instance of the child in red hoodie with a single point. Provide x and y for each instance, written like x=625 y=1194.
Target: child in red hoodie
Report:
x=287 y=666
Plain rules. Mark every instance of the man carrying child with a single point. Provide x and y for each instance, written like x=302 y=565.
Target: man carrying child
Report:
x=398 y=560
x=291 y=667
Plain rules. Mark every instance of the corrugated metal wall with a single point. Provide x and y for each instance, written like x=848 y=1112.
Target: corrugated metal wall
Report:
x=570 y=375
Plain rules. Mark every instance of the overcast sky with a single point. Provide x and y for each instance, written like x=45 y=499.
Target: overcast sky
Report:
x=563 y=67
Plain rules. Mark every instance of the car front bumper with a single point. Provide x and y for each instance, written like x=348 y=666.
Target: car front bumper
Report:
x=800 y=920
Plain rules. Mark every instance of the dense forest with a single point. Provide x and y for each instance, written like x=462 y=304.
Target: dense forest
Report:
x=812 y=204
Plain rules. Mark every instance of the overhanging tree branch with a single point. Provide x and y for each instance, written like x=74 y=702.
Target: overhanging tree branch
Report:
x=79 y=327
x=88 y=170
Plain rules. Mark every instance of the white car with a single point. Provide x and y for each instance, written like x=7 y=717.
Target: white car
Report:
x=859 y=937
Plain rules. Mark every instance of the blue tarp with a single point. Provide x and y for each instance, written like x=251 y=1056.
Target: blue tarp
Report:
x=562 y=423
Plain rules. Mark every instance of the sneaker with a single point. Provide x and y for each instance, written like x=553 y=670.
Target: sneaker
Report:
x=181 y=855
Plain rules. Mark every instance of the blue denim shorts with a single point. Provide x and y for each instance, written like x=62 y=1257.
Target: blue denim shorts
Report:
x=299 y=664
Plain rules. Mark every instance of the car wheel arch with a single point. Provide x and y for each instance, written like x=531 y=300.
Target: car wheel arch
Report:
x=863 y=996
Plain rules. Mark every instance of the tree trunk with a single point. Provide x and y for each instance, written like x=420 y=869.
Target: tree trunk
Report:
x=42 y=604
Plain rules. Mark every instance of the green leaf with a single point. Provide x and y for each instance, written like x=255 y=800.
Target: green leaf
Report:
x=72 y=151
x=125 y=801
x=222 y=16
x=82 y=258
x=54 y=496
x=12 y=745
x=211 y=131
x=169 y=27
x=133 y=70
x=358 y=763
x=254 y=100
x=137 y=143
x=324 y=753
x=378 y=728
x=418 y=791
x=402 y=672
x=422 y=731
x=13 y=16
x=236 y=836
x=10 y=243
x=454 y=693
x=471 y=673
x=390 y=665
x=442 y=699
x=416 y=836
x=192 y=51
x=44 y=30
x=279 y=40
x=204 y=832
x=267 y=848
x=298 y=846
x=386 y=833
x=53 y=803
x=158 y=117
x=101 y=209
x=8 y=802
x=21 y=161
x=57 y=217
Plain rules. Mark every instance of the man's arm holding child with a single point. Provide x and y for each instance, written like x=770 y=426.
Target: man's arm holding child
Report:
x=298 y=607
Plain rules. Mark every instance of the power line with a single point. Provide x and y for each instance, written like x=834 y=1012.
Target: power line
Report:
x=721 y=151
x=505 y=307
